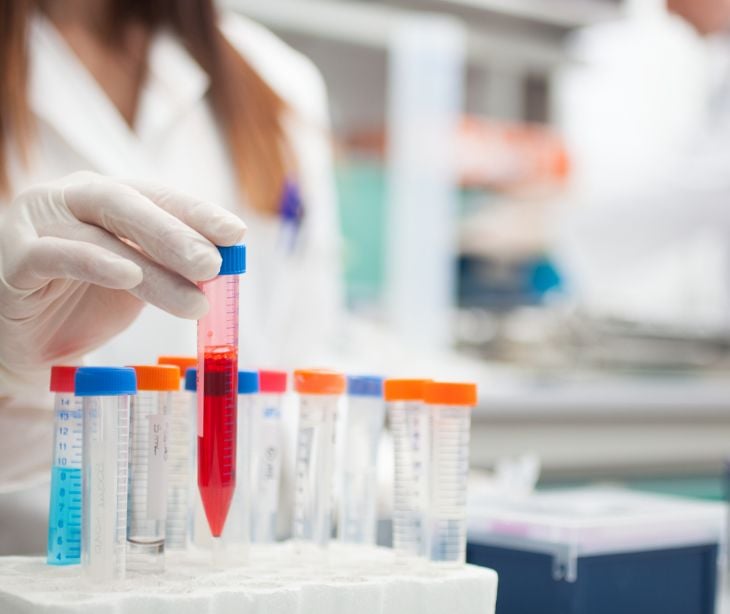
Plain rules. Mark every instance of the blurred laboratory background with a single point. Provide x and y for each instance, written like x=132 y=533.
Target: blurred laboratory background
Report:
x=536 y=193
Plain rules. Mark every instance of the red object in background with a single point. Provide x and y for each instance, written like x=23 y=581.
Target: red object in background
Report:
x=217 y=445
x=495 y=154
x=506 y=155
x=273 y=382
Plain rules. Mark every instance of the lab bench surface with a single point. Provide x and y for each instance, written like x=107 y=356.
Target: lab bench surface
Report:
x=353 y=579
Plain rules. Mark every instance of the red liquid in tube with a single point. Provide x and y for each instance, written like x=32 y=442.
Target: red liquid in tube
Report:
x=218 y=390
x=217 y=444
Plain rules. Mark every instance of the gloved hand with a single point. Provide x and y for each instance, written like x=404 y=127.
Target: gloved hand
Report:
x=79 y=258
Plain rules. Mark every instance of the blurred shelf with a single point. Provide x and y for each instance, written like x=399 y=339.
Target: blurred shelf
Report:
x=605 y=425
x=616 y=397
x=560 y=13
x=371 y=24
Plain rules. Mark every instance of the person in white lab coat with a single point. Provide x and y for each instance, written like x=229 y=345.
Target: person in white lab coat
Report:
x=654 y=248
x=104 y=103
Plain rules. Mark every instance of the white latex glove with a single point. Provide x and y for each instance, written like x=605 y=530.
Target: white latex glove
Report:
x=79 y=258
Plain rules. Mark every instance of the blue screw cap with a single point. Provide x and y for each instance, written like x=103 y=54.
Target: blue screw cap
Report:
x=233 y=259
x=105 y=381
x=248 y=382
x=191 y=379
x=365 y=385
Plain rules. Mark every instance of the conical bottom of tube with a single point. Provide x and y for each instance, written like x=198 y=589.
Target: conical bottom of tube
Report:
x=216 y=503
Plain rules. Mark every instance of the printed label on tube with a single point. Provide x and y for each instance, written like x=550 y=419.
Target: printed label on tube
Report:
x=270 y=467
x=156 y=478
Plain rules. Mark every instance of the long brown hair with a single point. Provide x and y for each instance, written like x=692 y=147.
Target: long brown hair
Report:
x=250 y=113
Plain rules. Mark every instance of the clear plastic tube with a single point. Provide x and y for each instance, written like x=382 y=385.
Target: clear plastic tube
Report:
x=314 y=469
x=450 y=405
x=217 y=406
x=357 y=522
x=267 y=441
x=105 y=469
x=181 y=489
x=198 y=529
x=106 y=438
x=237 y=534
x=64 y=518
x=447 y=542
x=319 y=394
x=197 y=525
x=217 y=390
x=179 y=474
x=147 y=508
x=411 y=427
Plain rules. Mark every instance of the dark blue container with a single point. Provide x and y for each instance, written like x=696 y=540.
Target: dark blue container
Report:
x=671 y=581
x=599 y=551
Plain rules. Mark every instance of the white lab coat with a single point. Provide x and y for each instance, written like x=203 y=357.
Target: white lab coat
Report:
x=290 y=297
x=646 y=112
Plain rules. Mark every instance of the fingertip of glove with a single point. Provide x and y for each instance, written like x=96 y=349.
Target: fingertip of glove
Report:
x=204 y=264
x=229 y=230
